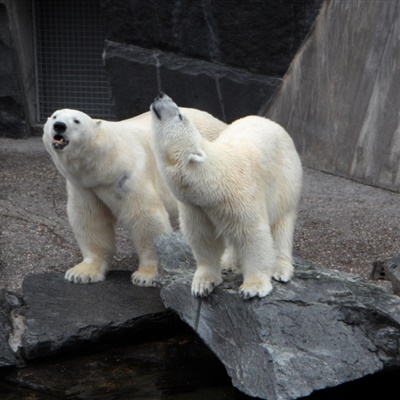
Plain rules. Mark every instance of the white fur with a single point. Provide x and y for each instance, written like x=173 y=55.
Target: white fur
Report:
x=112 y=178
x=238 y=196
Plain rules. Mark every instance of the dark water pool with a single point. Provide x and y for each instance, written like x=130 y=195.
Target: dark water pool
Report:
x=177 y=367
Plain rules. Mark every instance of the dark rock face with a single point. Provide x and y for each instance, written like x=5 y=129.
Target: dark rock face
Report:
x=322 y=329
x=138 y=74
x=12 y=114
x=60 y=315
x=226 y=58
x=259 y=36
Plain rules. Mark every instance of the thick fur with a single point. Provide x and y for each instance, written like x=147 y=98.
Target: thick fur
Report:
x=112 y=178
x=238 y=196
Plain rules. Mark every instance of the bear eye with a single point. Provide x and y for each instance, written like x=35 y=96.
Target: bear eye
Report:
x=77 y=121
x=54 y=116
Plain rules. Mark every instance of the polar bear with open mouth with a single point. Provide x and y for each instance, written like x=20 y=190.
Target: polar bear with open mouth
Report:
x=112 y=178
x=238 y=195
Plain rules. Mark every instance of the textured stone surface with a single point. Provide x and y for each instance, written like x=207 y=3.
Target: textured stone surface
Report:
x=138 y=74
x=260 y=36
x=12 y=114
x=322 y=329
x=8 y=302
x=340 y=99
x=61 y=315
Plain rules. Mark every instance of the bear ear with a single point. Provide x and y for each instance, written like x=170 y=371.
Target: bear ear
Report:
x=198 y=157
x=97 y=123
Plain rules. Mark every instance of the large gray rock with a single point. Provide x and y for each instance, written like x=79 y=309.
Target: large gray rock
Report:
x=138 y=74
x=60 y=315
x=322 y=329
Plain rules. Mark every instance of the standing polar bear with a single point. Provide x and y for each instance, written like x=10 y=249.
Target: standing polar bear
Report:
x=238 y=193
x=112 y=177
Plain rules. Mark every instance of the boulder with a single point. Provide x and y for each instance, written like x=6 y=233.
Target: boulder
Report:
x=61 y=315
x=322 y=329
x=138 y=74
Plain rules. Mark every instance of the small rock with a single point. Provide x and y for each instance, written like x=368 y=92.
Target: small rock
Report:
x=8 y=302
x=392 y=271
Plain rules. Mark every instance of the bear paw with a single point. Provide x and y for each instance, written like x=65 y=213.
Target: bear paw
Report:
x=85 y=273
x=255 y=288
x=284 y=271
x=283 y=276
x=230 y=269
x=146 y=278
x=204 y=284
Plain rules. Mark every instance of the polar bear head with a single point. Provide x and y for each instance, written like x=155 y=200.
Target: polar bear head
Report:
x=68 y=128
x=173 y=132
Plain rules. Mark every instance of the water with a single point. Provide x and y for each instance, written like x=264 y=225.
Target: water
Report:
x=178 y=366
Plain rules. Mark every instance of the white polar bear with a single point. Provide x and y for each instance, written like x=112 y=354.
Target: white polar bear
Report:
x=112 y=177
x=239 y=192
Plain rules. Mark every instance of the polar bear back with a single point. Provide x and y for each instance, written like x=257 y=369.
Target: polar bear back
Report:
x=209 y=126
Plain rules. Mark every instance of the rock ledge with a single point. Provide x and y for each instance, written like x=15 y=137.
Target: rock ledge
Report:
x=320 y=330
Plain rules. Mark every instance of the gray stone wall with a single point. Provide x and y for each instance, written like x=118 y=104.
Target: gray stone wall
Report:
x=12 y=109
x=340 y=99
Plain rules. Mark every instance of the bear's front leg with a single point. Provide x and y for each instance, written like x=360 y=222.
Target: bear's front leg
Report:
x=147 y=224
x=207 y=249
x=93 y=226
x=258 y=260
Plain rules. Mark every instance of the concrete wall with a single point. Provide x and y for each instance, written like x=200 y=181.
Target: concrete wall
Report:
x=14 y=121
x=340 y=99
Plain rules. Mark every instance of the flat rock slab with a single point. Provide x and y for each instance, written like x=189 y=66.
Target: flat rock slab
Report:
x=322 y=329
x=60 y=315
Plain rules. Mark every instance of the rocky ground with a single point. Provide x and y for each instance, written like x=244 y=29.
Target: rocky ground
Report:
x=342 y=225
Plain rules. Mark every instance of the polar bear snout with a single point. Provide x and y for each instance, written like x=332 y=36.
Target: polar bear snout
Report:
x=60 y=127
x=163 y=105
x=59 y=140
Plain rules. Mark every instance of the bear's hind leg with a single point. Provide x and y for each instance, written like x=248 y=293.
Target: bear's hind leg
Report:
x=257 y=254
x=282 y=233
x=230 y=260
x=148 y=224
x=93 y=226
x=207 y=249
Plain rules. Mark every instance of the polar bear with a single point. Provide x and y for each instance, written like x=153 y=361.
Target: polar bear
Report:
x=238 y=193
x=112 y=178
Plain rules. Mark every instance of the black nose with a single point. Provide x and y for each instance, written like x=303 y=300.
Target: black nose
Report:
x=60 y=127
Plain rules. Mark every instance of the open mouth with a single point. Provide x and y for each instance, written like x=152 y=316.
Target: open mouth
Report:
x=59 y=142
